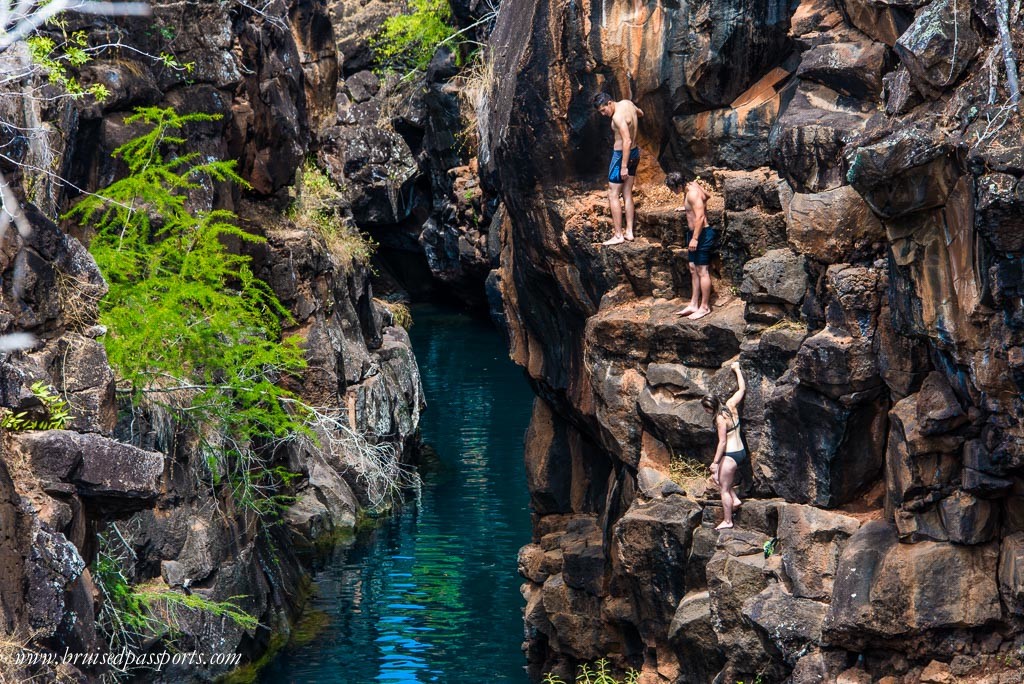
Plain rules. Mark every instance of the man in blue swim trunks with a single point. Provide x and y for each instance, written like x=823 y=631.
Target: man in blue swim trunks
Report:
x=700 y=243
x=622 y=170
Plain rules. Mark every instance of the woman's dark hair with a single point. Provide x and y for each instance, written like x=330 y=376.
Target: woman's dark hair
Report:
x=675 y=180
x=601 y=99
x=713 y=403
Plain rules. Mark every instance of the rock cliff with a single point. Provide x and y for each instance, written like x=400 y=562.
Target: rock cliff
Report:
x=867 y=169
x=126 y=482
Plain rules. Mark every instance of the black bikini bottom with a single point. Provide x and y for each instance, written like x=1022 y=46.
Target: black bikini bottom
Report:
x=738 y=456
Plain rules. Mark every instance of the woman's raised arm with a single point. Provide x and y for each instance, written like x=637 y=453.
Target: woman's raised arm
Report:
x=737 y=397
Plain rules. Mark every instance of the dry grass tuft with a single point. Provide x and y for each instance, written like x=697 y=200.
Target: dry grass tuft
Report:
x=317 y=207
x=690 y=474
x=400 y=314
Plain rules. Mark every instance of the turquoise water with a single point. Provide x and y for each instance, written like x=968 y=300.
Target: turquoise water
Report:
x=432 y=594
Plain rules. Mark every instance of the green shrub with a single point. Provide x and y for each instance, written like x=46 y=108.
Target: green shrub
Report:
x=190 y=326
x=407 y=42
x=57 y=413
x=131 y=613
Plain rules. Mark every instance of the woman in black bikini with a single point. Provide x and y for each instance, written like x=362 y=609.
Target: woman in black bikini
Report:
x=730 y=453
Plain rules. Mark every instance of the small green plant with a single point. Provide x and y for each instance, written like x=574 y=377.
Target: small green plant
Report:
x=769 y=547
x=598 y=674
x=57 y=412
x=60 y=59
x=132 y=613
x=407 y=42
x=60 y=53
x=757 y=680
x=316 y=207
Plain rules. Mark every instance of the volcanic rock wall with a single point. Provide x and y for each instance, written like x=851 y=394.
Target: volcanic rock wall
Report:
x=867 y=169
x=135 y=473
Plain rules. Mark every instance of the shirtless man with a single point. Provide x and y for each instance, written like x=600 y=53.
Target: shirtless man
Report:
x=624 y=115
x=701 y=243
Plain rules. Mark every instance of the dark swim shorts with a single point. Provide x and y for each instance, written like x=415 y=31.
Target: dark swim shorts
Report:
x=615 y=168
x=705 y=246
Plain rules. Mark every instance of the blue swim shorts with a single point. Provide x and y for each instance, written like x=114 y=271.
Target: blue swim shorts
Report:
x=615 y=168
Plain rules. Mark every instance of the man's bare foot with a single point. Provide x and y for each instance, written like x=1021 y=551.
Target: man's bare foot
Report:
x=629 y=236
x=615 y=240
x=699 y=314
x=690 y=308
x=736 y=503
x=724 y=526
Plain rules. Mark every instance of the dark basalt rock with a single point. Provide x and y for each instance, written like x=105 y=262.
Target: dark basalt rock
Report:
x=820 y=451
x=878 y=278
x=938 y=46
x=883 y=20
x=832 y=226
x=651 y=539
x=853 y=69
x=900 y=94
x=374 y=169
x=792 y=624
x=908 y=171
x=102 y=469
x=810 y=541
x=928 y=586
x=777 y=277
x=938 y=409
x=811 y=133
x=692 y=628
x=1001 y=211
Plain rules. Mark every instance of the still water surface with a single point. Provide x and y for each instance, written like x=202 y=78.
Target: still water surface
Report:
x=432 y=594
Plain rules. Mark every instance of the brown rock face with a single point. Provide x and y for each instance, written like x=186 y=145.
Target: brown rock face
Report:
x=868 y=282
x=833 y=226
x=887 y=590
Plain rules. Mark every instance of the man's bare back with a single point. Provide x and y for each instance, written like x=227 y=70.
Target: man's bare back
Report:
x=626 y=114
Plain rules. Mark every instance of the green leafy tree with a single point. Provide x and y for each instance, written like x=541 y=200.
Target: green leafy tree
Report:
x=188 y=320
x=407 y=42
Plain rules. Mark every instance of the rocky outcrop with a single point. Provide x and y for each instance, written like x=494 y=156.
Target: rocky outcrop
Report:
x=128 y=480
x=402 y=152
x=868 y=285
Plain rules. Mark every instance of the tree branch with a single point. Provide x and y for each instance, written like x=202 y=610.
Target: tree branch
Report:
x=28 y=15
x=1012 y=82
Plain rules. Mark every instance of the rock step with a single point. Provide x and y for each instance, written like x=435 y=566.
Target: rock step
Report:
x=652 y=269
x=650 y=331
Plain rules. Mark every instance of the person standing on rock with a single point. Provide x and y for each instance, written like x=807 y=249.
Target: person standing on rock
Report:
x=730 y=454
x=622 y=170
x=700 y=243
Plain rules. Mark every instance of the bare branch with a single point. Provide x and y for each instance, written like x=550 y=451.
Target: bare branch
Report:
x=1002 y=19
x=10 y=210
x=29 y=15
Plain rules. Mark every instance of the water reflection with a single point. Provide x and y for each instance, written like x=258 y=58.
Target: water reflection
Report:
x=432 y=595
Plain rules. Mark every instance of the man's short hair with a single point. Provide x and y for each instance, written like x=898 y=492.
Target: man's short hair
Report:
x=601 y=99
x=674 y=180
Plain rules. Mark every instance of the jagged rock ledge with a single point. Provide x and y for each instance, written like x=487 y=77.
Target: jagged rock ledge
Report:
x=868 y=285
